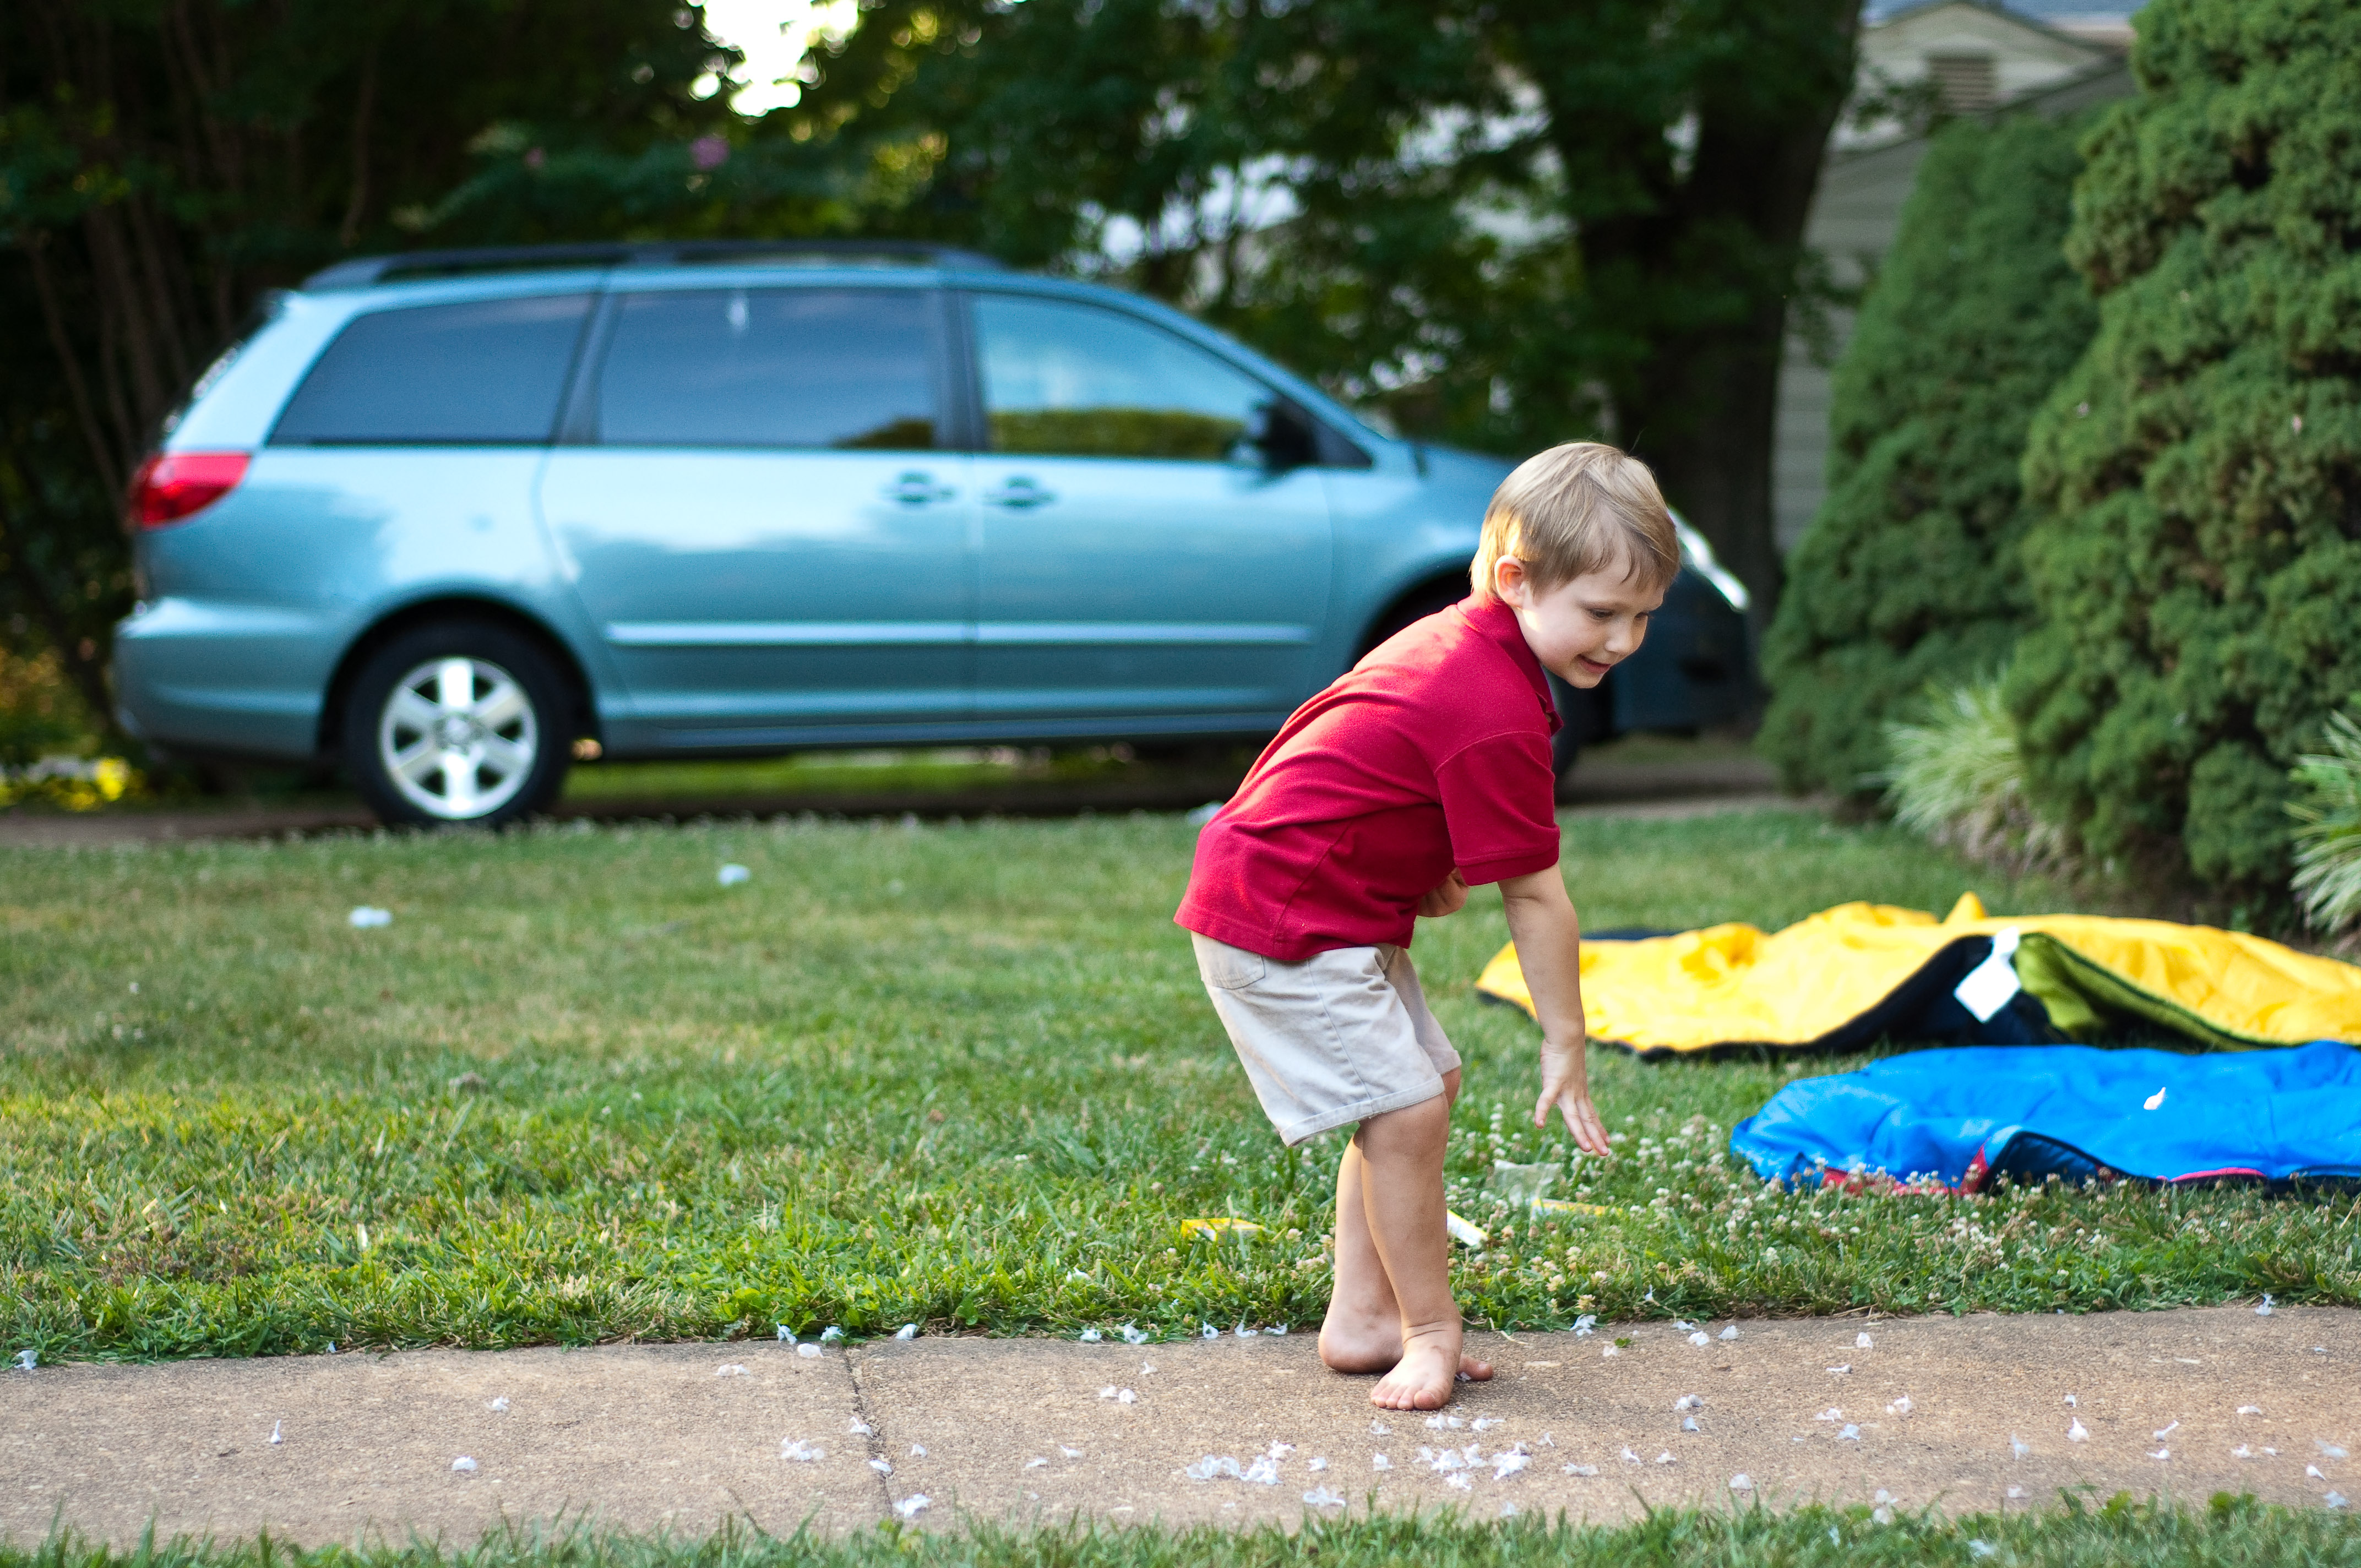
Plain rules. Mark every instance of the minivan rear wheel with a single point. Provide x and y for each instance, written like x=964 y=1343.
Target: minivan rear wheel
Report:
x=457 y=723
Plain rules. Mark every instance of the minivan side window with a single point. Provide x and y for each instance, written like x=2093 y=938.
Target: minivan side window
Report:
x=771 y=367
x=485 y=372
x=1079 y=381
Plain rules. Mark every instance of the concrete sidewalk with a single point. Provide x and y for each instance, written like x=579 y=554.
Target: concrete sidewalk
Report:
x=679 y=1437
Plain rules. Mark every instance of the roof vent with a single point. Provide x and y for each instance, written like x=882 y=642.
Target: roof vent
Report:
x=1969 y=83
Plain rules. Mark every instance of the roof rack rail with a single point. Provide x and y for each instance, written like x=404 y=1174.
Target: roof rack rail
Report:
x=366 y=271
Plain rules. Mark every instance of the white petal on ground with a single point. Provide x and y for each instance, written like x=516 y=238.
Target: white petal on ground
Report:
x=1831 y=1414
x=883 y=1466
x=1689 y=1423
x=918 y=1451
x=800 y=1452
x=808 y=1352
x=731 y=876
x=1630 y=1457
x=1850 y=1434
x=1263 y=1472
x=1861 y=1341
x=1134 y=1337
x=2154 y=1102
x=1841 y=1369
x=1606 y=1350
x=2165 y=1432
x=787 y=1335
x=1315 y=1463
x=2161 y=1453
x=1700 y=1338
x=2250 y=1410
x=732 y=1370
x=860 y=1428
x=1380 y=1462
x=1900 y=1406
x=907 y=1331
x=464 y=1465
x=1741 y=1482
x=1036 y=1462
x=2018 y=1446
x=2070 y=1401
x=1459 y=1481
x=2328 y=1450
x=2265 y=1309
x=1380 y=1429
x=1069 y=1453
x=365 y=919
x=2077 y=1432
x=1507 y=1464
x=1688 y=1402
x=2332 y=1500
x=1582 y=1469
x=1089 y=1336
x=274 y=1433
x=2242 y=1452
x=498 y=1404
x=2016 y=1494
x=1727 y=1334
x=1108 y=1392
x=2312 y=1473
x=909 y=1507
x=1486 y=1423
x=1280 y=1449
x=1322 y=1498
x=830 y=1334
x=1126 y=1397
x=1666 y=1458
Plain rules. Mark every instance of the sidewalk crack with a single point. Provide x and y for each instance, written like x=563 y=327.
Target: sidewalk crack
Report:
x=876 y=1439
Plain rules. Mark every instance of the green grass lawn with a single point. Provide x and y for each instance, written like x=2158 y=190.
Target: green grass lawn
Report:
x=961 y=1075
x=2118 y=1534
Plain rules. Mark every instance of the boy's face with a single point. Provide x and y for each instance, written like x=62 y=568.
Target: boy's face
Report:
x=1581 y=629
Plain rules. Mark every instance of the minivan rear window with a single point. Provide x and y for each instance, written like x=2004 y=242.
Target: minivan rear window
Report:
x=771 y=367
x=487 y=372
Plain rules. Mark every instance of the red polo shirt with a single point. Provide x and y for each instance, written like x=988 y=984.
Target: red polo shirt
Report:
x=1431 y=752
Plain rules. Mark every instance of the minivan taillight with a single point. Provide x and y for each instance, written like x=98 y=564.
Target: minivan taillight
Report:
x=171 y=487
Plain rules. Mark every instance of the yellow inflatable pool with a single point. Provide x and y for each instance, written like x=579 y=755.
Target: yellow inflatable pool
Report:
x=1843 y=978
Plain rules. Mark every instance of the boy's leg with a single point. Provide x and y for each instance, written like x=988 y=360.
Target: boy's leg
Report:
x=1401 y=1196
x=1363 y=1331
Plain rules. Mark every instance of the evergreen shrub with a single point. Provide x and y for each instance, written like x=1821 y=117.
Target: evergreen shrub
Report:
x=2196 y=569
x=1908 y=578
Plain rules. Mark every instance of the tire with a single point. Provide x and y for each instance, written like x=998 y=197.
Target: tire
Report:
x=499 y=705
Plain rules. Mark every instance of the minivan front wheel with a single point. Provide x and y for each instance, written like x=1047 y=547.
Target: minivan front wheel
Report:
x=457 y=723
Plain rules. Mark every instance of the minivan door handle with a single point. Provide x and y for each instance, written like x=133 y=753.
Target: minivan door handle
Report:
x=1019 y=493
x=918 y=488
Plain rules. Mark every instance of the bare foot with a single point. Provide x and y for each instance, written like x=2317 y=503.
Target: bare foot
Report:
x=1431 y=1363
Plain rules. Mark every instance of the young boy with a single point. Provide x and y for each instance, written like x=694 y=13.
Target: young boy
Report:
x=1425 y=770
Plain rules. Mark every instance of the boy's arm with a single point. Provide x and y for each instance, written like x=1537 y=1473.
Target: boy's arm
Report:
x=1549 y=950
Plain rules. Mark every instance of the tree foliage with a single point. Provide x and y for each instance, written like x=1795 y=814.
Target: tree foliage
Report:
x=1909 y=577
x=2196 y=570
x=162 y=164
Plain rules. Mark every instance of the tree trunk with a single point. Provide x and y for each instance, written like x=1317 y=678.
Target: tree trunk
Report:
x=1702 y=408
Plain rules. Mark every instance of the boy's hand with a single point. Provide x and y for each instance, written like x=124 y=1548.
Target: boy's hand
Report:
x=1566 y=1084
x=1448 y=899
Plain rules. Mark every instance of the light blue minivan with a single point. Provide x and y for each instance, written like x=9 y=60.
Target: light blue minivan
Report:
x=453 y=518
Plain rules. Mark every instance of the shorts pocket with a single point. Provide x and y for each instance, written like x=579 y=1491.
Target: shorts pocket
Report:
x=1225 y=968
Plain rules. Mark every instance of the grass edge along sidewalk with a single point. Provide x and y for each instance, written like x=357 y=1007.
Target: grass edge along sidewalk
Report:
x=2077 y=1531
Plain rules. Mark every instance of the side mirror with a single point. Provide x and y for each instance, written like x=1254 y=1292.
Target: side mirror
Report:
x=1280 y=434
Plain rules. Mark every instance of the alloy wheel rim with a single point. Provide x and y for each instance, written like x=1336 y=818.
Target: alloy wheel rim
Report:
x=458 y=737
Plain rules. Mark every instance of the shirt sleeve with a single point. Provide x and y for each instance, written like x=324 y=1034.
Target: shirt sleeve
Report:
x=1500 y=806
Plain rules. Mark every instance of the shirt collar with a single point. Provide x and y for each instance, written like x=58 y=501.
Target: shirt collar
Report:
x=1495 y=621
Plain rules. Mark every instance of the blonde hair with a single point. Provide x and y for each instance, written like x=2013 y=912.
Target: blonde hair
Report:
x=1574 y=509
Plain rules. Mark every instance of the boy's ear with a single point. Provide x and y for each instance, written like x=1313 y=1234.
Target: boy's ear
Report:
x=1509 y=581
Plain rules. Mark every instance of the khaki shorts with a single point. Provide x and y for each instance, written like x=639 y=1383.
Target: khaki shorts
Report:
x=1338 y=1037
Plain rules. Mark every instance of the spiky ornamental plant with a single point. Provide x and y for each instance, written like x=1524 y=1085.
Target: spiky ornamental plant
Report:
x=1957 y=778
x=2327 y=813
x=2196 y=573
x=1909 y=577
